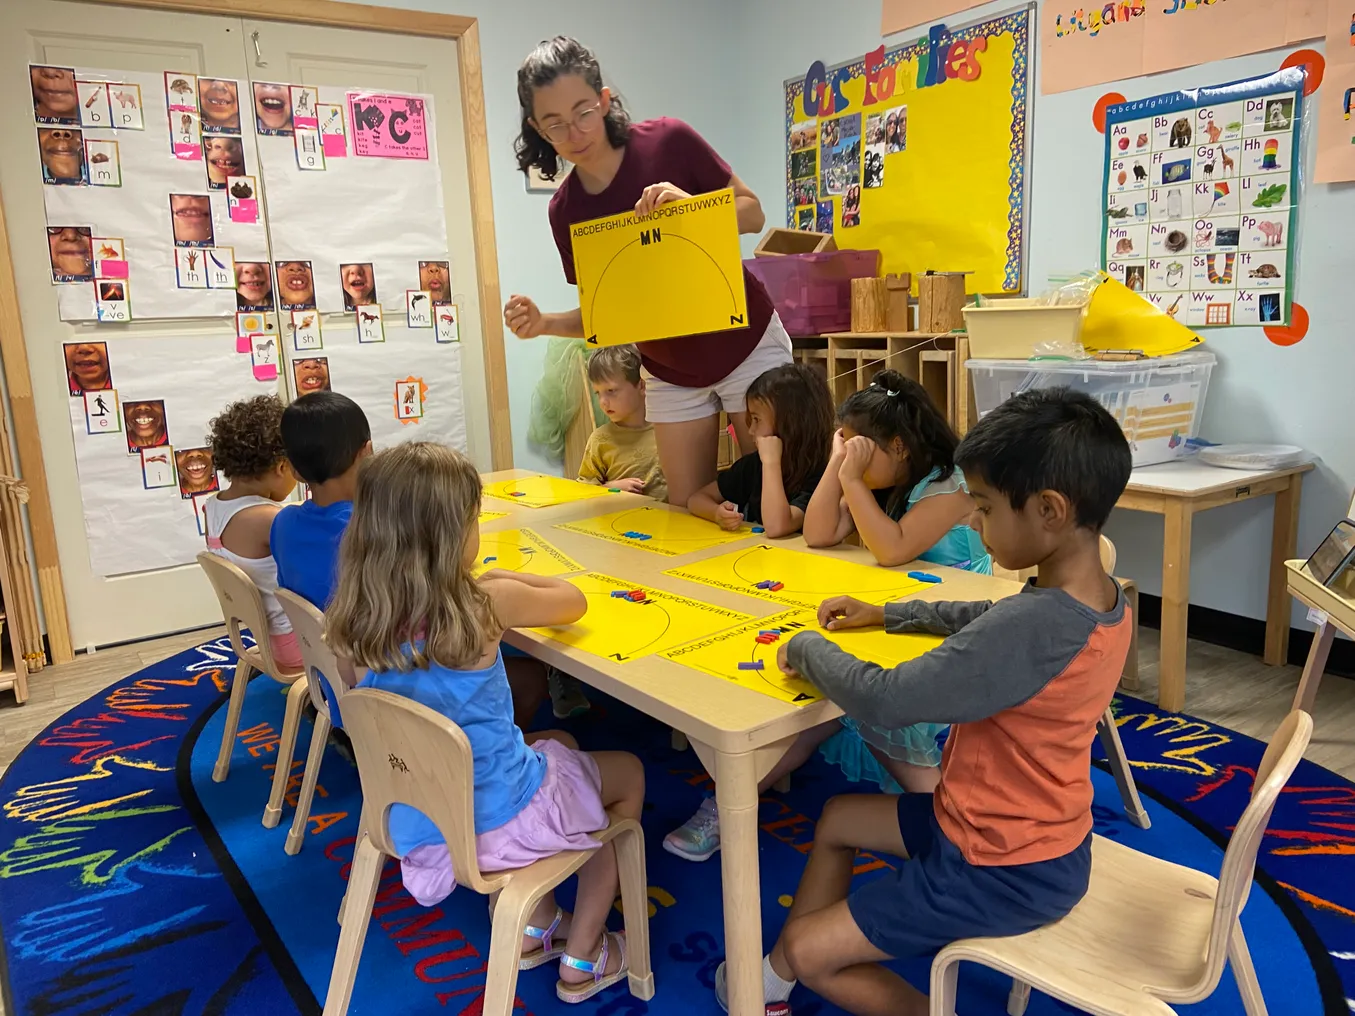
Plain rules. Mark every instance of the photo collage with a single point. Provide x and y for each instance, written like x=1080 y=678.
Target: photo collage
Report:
x=833 y=160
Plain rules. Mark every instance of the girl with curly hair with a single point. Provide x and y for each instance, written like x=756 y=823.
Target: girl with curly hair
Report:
x=246 y=443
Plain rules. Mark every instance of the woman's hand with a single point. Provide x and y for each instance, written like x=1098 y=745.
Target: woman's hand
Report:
x=855 y=458
x=523 y=317
x=658 y=194
x=839 y=612
x=727 y=516
x=769 y=451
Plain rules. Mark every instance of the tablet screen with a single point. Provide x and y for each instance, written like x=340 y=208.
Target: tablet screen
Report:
x=1333 y=552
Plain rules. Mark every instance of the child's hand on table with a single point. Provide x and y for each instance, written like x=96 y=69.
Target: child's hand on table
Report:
x=783 y=662
x=841 y=612
x=630 y=485
x=856 y=457
x=728 y=516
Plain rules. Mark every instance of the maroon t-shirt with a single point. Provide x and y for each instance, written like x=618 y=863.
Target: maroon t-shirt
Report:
x=666 y=151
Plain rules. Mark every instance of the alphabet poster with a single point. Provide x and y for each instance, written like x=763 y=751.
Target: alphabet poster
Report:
x=920 y=151
x=389 y=126
x=1200 y=199
x=678 y=271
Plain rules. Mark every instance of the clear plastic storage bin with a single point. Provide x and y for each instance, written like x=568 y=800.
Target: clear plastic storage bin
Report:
x=1159 y=402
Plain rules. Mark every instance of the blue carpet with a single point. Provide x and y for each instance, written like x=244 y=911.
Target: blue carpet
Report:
x=132 y=885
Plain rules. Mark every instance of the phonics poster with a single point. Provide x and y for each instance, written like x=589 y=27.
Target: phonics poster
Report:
x=1200 y=199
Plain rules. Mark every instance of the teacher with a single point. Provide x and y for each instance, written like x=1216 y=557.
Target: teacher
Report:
x=621 y=166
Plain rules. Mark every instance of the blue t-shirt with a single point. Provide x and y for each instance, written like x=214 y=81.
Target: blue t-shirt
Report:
x=305 y=543
x=507 y=772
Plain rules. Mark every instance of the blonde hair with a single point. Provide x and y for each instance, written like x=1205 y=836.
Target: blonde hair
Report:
x=614 y=363
x=401 y=570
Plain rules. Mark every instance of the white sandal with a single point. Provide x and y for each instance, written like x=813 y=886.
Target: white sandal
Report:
x=581 y=991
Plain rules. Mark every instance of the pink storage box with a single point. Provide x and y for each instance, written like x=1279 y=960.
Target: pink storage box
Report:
x=813 y=292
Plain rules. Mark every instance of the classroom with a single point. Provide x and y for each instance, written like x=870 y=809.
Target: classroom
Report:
x=753 y=508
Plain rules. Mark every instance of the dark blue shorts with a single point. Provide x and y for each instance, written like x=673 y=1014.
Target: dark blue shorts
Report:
x=937 y=897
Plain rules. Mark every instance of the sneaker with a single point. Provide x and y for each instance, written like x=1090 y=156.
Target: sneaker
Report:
x=698 y=837
x=567 y=699
x=722 y=995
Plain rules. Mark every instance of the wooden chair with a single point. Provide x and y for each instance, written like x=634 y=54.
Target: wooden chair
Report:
x=242 y=607
x=322 y=668
x=409 y=754
x=1148 y=933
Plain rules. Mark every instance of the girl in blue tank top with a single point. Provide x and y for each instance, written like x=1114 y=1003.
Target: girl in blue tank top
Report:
x=410 y=610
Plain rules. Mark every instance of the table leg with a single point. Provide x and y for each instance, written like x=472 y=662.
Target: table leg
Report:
x=736 y=794
x=1313 y=667
x=1283 y=538
x=1171 y=670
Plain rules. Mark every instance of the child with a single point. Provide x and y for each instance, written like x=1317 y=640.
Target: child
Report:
x=790 y=416
x=408 y=609
x=246 y=443
x=622 y=452
x=1004 y=845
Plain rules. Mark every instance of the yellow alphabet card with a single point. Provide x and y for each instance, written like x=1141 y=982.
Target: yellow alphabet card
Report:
x=657 y=530
x=523 y=550
x=543 y=491
x=678 y=271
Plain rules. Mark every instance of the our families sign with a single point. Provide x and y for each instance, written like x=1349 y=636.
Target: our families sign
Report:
x=388 y=126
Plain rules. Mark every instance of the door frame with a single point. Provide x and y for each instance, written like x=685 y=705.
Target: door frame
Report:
x=465 y=33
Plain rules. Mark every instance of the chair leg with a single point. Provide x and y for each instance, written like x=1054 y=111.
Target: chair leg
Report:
x=511 y=913
x=1119 y=767
x=679 y=740
x=239 y=684
x=366 y=874
x=362 y=831
x=630 y=864
x=1018 y=998
x=1247 y=985
x=291 y=719
x=1130 y=678
x=782 y=786
x=945 y=975
x=314 y=758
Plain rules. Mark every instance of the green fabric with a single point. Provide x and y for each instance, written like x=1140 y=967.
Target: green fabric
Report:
x=559 y=395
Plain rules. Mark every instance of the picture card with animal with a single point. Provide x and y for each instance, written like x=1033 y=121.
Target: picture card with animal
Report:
x=448 y=324
x=199 y=502
x=1271 y=114
x=304 y=100
x=1173 y=131
x=418 y=308
x=220 y=265
x=146 y=424
x=62 y=153
x=219 y=103
x=1214 y=271
x=409 y=396
x=370 y=326
x=190 y=217
x=94 y=106
x=1128 y=175
x=242 y=199
x=333 y=135
x=1127 y=241
x=1220 y=123
x=110 y=257
x=249 y=322
x=1216 y=162
x=1264 y=233
x=105 y=166
x=1169 y=237
x=125 y=101
x=272 y=109
x=1261 y=269
x=244 y=344
x=70 y=251
x=101 y=412
x=296 y=285
x=310 y=156
x=55 y=96
x=223 y=157
x=157 y=468
x=190 y=267
x=310 y=374
x=1171 y=168
x=87 y=368
x=1127 y=208
x=263 y=357
x=185 y=140
x=1132 y=273
x=1168 y=274
x=181 y=92
x=112 y=300
x=306 y=330
x=197 y=472
x=1216 y=233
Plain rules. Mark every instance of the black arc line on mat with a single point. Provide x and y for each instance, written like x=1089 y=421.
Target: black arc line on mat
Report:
x=667 y=623
x=733 y=301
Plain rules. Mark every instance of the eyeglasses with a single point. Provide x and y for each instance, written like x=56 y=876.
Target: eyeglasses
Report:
x=585 y=121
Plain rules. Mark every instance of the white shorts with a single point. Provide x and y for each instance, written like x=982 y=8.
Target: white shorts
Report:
x=670 y=403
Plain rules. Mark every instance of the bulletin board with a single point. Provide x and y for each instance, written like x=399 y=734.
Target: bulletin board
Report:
x=920 y=151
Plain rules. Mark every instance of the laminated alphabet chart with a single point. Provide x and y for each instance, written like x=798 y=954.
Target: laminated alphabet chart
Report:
x=1200 y=199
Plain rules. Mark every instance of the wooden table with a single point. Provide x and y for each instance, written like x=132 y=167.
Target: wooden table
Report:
x=738 y=734
x=1177 y=491
x=1338 y=605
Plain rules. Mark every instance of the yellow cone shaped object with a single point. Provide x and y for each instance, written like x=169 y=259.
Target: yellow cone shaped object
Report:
x=1120 y=319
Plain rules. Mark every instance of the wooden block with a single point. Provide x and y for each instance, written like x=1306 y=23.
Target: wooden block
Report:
x=940 y=300
x=896 y=315
x=966 y=413
x=778 y=240
x=870 y=302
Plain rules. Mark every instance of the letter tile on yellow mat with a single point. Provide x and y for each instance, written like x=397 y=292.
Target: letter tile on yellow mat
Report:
x=746 y=653
x=523 y=550
x=620 y=628
x=543 y=491
x=796 y=578
x=657 y=530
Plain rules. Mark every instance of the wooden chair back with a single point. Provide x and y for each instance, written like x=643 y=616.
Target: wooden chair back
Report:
x=241 y=607
x=409 y=754
x=317 y=659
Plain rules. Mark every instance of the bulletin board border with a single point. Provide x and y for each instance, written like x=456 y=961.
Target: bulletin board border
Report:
x=1021 y=23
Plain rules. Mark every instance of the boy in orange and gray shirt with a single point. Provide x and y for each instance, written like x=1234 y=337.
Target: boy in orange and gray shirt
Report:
x=1004 y=845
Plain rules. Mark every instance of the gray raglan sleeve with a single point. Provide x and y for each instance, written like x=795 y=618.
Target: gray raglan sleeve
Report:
x=1001 y=658
x=916 y=617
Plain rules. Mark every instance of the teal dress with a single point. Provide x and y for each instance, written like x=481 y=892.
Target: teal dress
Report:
x=847 y=749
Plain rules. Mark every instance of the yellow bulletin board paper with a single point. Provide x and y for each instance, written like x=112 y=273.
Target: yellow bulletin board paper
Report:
x=937 y=169
x=523 y=550
x=677 y=271
x=806 y=579
x=721 y=654
x=621 y=629
x=491 y=516
x=543 y=491
x=656 y=530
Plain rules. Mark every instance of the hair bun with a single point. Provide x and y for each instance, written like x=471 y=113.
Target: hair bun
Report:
x=889 y=379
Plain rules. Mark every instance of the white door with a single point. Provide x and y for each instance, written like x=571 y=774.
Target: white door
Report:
x=105 y=610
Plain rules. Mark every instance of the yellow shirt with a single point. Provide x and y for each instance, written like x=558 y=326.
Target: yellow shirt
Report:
x=618 y=453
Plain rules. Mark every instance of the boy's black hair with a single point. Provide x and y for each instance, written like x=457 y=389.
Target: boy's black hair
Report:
x=323 y=433
x=552 y=59
x=1051 y=439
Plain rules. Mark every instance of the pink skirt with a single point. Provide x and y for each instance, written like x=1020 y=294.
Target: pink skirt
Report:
x=561 y=814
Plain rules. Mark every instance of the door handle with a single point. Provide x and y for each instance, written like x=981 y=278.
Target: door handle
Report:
x=259 y=61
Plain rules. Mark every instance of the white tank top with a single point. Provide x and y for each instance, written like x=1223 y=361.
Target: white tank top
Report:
x=263 y=570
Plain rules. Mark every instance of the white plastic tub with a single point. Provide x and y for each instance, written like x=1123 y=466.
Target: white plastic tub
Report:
x=1159 y=402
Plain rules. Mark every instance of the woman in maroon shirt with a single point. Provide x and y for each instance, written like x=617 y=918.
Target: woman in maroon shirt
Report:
x=618 y=167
